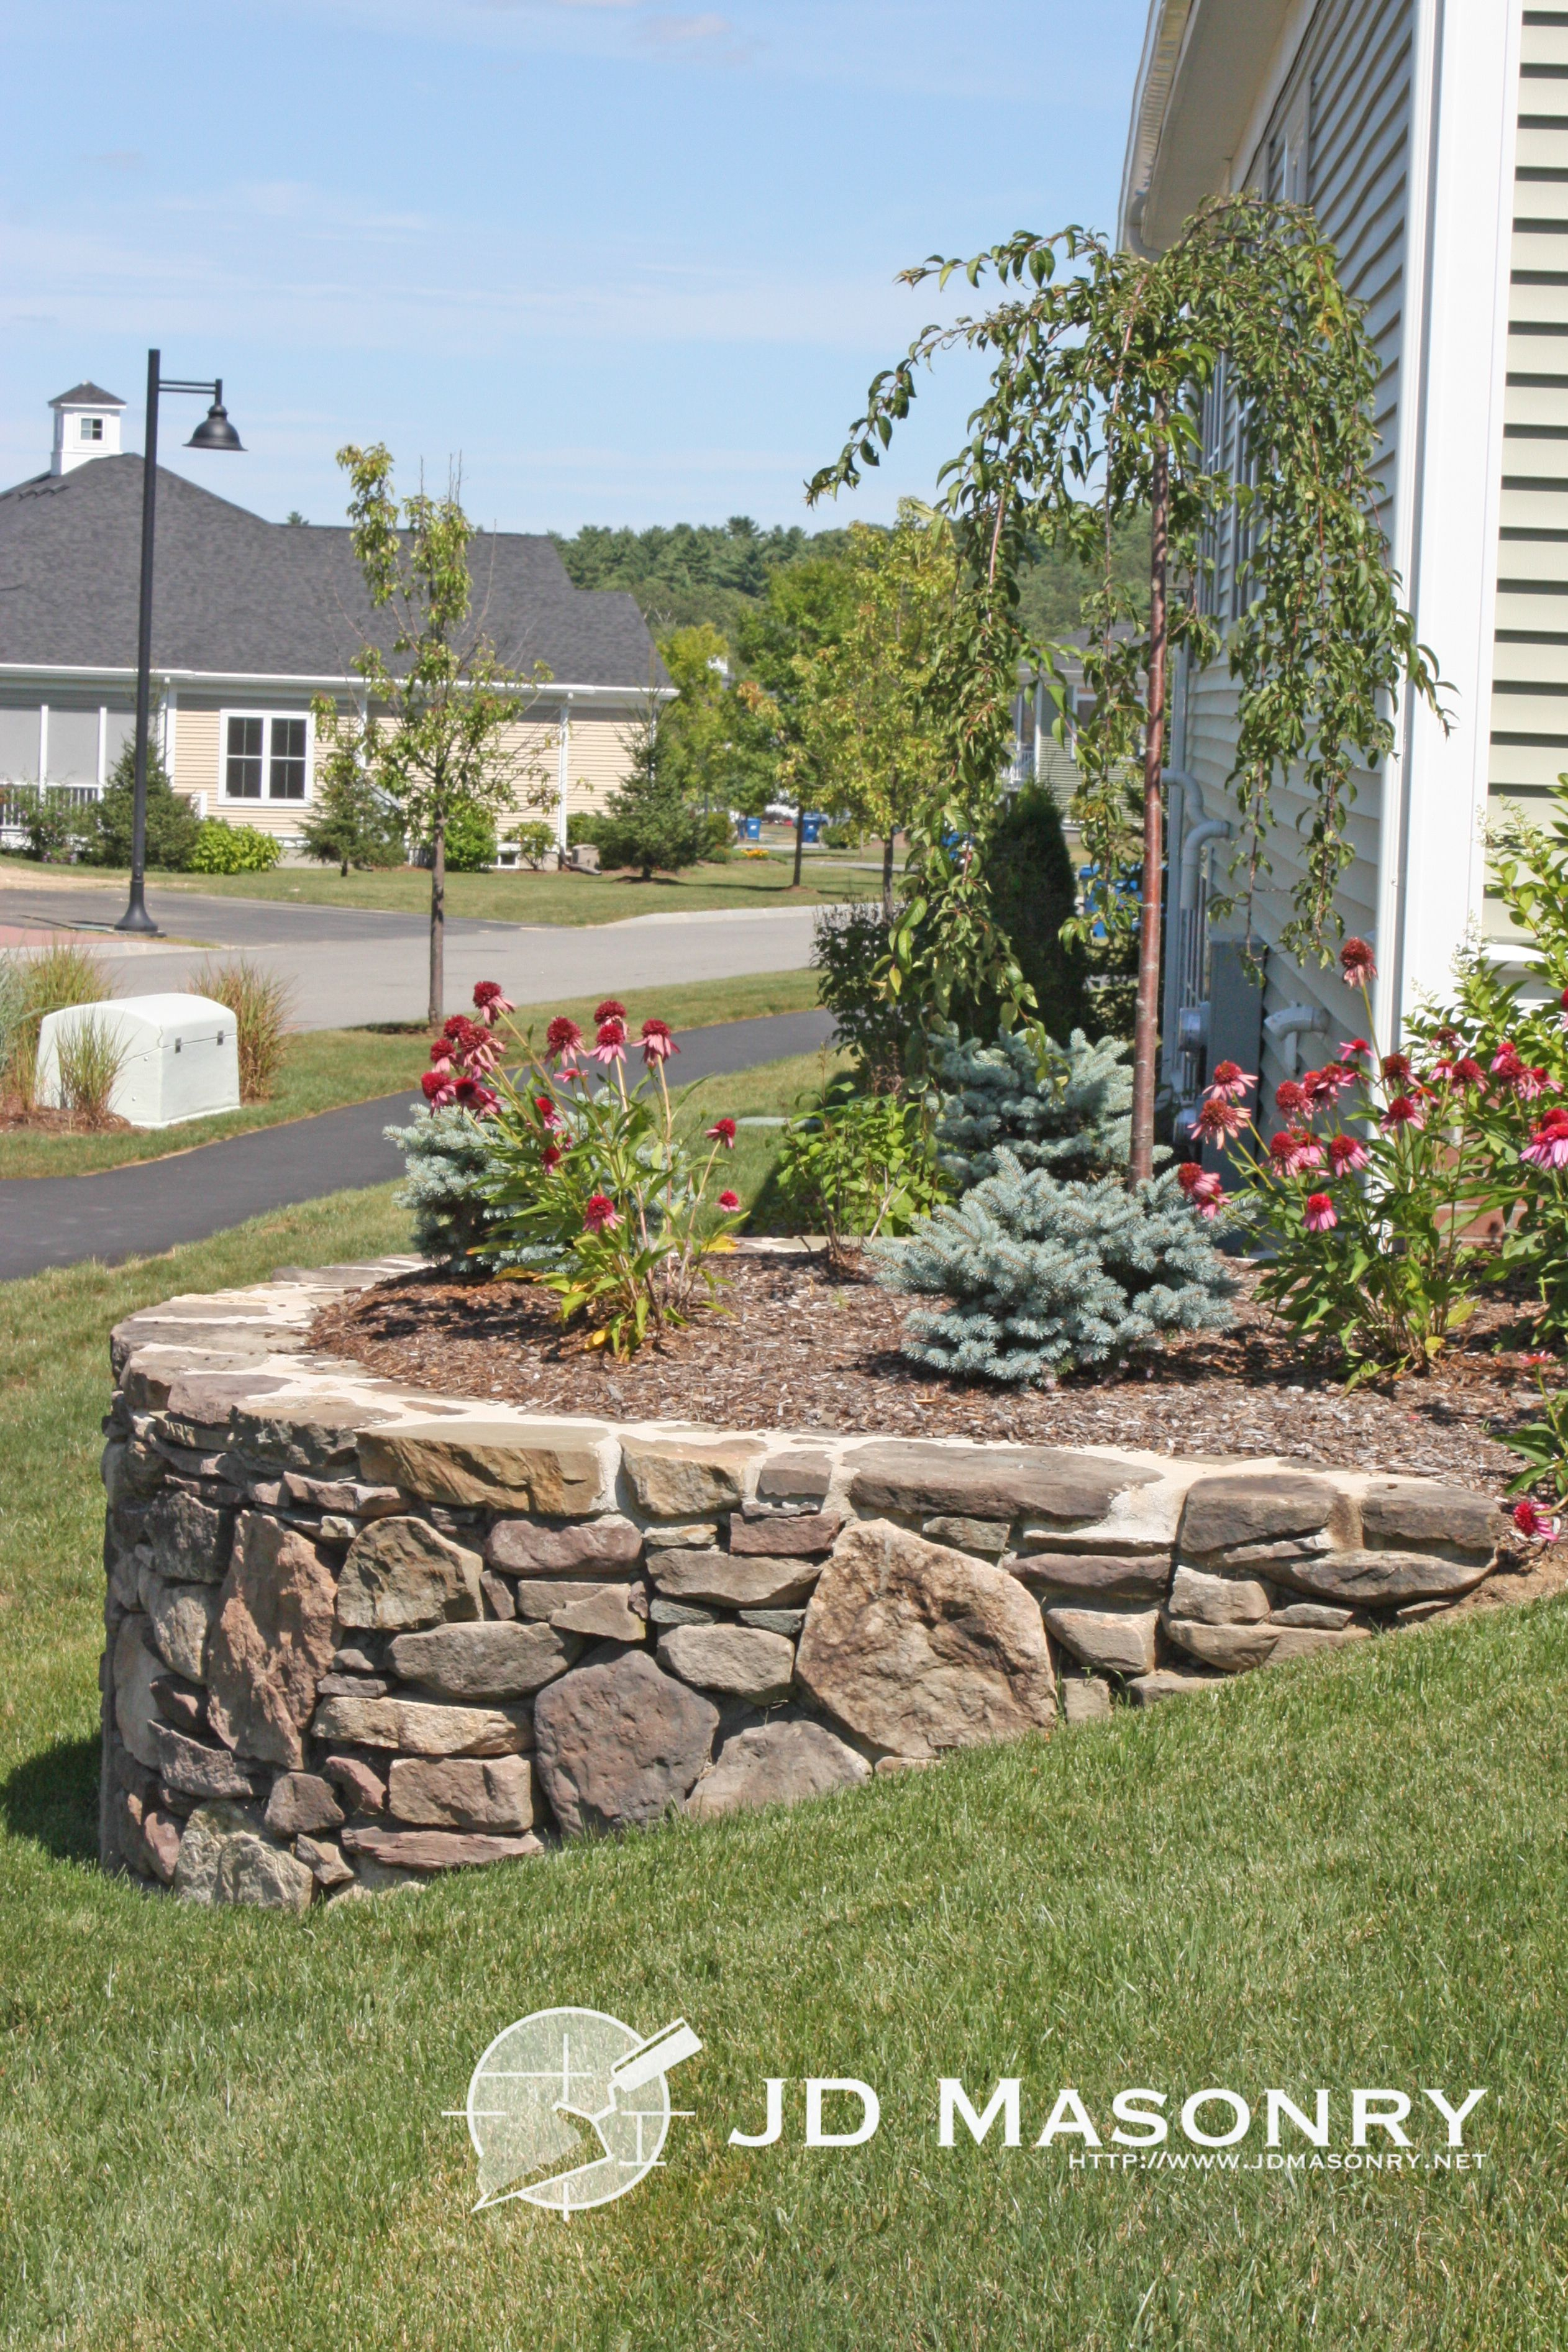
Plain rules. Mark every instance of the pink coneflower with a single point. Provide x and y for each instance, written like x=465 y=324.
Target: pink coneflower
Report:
x=490 y=1002
x=1404 y=1110
x=1290 y=1098
x=1294 y=1152
x=1219 y=1117
x=1326 y=1084
x=1534 y=1524
x=481 y=1100
x=1188 y=1172
x=1345 y=1154
x=600 y=1214
x=562 y=1037
x=729 y=1203
x=1231 y=1081
x=1207 y=1196
x=1353 y=1049
x=1322 y=1215
x=1396 y=1069
x=612 y=1009
x=549 y=1116
x=438 y=1088
x=1357 y=962
x=551 y=1157
x=1467 y=1072
x=1548 y=1146
x=611 y=1044
x=1507 y=1063
x=722 y=1131
x=657 y=1043
x=1533 y=1082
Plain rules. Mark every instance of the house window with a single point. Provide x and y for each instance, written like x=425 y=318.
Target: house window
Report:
x=267 y=756
x=92 y=428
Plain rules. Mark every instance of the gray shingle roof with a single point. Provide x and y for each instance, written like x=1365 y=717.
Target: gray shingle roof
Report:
x=237 y=596
x=84 y=395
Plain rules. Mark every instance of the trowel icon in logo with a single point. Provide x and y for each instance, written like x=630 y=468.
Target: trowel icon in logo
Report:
x=570 y=2108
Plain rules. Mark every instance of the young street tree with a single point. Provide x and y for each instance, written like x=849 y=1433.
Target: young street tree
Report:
x=443 y=706
x=805 y=608
x=1094 y=410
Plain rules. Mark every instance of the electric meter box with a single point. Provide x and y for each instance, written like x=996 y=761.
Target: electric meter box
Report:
x=179 y=1056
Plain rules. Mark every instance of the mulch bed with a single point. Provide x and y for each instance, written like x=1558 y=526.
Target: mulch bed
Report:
x=802 y=1348
x=43 y=1121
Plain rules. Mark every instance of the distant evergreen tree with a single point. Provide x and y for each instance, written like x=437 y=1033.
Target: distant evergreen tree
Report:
x=172 y=824
x=1043 y=1278
x=650 y=823
x=1033 y=893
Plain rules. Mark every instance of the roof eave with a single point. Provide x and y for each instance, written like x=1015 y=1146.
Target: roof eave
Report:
x=1205 y=63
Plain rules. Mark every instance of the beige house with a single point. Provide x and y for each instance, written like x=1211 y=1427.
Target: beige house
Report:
x=252 y=620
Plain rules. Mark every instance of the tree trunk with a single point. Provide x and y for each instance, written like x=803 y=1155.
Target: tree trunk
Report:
x=1146 y=1022
x=888 y=878
x=438 y=925
x=799 y=838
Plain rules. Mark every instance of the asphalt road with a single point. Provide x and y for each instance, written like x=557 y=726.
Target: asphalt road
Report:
x=139 y=1211
x=349 y=966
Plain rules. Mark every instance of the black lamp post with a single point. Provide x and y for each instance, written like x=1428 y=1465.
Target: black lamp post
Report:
x=214 y=431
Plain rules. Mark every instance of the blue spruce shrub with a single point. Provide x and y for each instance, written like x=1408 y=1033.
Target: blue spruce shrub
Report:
x=1042 y=1276
x=1073 y=1116
x=447 y=1160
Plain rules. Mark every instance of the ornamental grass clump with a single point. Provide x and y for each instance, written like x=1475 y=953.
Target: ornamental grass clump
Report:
x=1042 y=1277
x=559 y=1172
x=262 y=1002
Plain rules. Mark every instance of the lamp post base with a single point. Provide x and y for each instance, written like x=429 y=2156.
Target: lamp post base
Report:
x=136 y=918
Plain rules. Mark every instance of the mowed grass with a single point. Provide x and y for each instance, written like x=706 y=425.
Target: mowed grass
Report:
x=326 y=1068
x=228 y=2130
x=574 y=899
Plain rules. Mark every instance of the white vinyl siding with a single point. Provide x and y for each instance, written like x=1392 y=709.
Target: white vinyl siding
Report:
x=1529 y=681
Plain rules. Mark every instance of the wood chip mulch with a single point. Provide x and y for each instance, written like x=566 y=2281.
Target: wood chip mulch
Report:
x=802 y=1349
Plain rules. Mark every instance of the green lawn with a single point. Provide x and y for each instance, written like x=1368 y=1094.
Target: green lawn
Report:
x=328 y=1067
x=521 y=898
x=228 y=2130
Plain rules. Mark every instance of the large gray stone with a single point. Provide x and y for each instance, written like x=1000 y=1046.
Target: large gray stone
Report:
x=786 y=1535
x=918 y=1649
x=192 y=1768
x=1257 y=1507
x=401 y=1574
x=1321 y=1617
x=523 y=1547
x=1420 y=1516
x=540 y=1598
x=1306 y=1641
x=1217 y=1600
x=180 y=1620
x=273 y=1639
x=1086 y=1699
x=987 y=1481
x=223 y=1858
x=985 y=1537
x=135 y=1670
x=432 y=1850
x=748 y=1582
x=1115 y=1641
x=740 y=1661
x=1379 y=1580
x=616 y=1613
x=497 y=1659
x=687 y=1477
x=556 y=1468
x=795 y=1477
x=462 y=1792
x=301 y=1800
x=1094 y=1576
x=620 y=1742
x=1234 y=1649
x=776 y=1764
x=1148 y=1690
x=190 y=1538
x=419 y=1729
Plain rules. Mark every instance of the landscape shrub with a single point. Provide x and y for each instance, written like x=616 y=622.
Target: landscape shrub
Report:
x=34 y=984
x=1070 y=1111
x=535 y=842
x=857 y=1165
x=447 y=1160
x=261 y=1002
x=172 y=824
x=91 y=1054
x=584 y=824
x=470 y=840
x=220 y=847
x=1043 y=1278
x=1033 y=892
x=50 y=818
x=848 y=945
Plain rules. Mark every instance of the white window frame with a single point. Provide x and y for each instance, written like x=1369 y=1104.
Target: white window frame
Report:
x=265 y=799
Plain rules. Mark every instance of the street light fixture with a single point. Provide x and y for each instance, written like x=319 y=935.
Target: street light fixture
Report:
x=214 y=431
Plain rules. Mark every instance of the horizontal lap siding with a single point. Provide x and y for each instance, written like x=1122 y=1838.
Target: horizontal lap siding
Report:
x=1530 y=683
x=1355 y=65
x=599 y=759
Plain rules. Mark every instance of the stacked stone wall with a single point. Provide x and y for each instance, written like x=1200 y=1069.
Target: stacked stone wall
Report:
x=358 y=1635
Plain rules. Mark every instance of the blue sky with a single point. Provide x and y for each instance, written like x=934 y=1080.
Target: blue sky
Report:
x=633 y=262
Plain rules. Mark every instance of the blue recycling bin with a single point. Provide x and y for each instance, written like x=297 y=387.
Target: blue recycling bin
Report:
x=753 y=828
x=812 y=829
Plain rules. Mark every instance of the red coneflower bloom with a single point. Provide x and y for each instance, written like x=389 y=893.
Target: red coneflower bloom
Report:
x=612 y=1009
x=1345 y=1154
x=611 y=1044
x=657 y=1043
x=729 y=1203
x=600 y=1214
x=1231 y=1081
x=562 y=1037
x=1322 y=1216
x=722 y=1131
x=1534 y=1524
x=1294 y=1152
x=1289 y=1098
x=1357 y=962
x=1403 y=1112
x=1219 y=1117
x=1548 y=1146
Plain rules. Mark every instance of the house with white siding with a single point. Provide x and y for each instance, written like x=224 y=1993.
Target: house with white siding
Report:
x=1431 y=138
x=254 y=619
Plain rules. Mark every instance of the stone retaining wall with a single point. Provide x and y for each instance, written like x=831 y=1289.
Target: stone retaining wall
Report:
x=356 y=1635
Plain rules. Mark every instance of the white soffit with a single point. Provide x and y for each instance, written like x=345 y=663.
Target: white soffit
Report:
x=1203 y=64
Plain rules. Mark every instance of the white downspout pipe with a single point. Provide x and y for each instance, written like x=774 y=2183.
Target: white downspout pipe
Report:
x=1195 y=841
x=1293 y=1021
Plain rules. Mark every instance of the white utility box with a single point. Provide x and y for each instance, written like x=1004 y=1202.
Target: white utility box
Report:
x=181 y=1056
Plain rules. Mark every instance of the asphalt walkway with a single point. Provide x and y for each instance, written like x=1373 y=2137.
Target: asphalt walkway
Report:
x=156 y=1204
